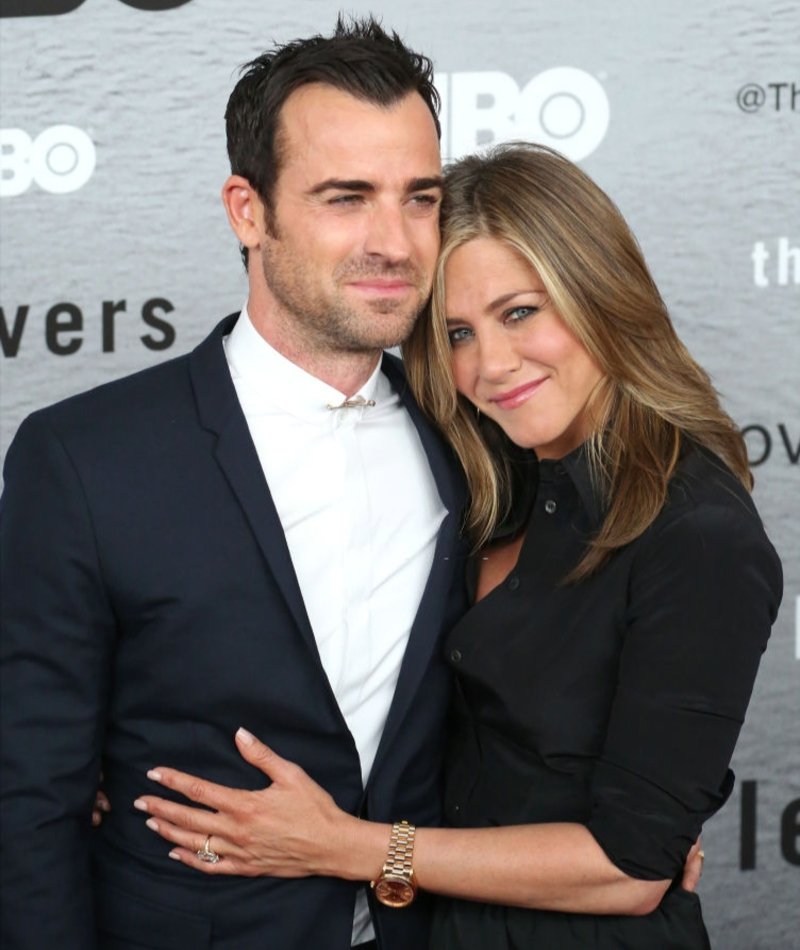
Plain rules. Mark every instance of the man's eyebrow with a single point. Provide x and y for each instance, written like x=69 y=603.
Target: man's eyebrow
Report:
x=342 y=184
x=424 y=184
x=359 y=185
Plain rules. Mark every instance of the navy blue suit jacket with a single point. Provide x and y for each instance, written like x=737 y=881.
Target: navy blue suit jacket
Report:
x=150 y=607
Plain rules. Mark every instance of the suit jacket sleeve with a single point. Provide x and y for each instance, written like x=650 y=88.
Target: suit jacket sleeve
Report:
x=57 y=638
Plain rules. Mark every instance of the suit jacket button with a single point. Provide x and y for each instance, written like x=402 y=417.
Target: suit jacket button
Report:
x=455 y=655
x=550 y=506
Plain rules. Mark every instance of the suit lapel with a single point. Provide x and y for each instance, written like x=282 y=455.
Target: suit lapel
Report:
x=447 y=474
x=426 y=631
x=220 y=412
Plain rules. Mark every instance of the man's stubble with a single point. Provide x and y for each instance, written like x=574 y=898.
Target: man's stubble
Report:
x=328 y=323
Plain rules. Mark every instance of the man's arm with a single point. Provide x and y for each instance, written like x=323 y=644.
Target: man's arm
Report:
x=55 y=648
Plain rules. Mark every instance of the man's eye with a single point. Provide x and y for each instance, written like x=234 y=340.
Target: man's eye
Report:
x=345 y=199
x=429 y=200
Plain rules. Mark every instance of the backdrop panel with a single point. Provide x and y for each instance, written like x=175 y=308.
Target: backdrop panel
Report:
x=116 y=252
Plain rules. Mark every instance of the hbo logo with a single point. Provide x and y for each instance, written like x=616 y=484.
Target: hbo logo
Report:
x=61 y=159
x=564 y=107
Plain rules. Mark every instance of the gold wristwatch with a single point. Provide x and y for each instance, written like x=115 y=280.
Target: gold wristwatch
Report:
x=396 y=887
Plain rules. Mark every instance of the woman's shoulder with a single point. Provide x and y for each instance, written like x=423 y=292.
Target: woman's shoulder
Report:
x=701 y=485
x=710 y=516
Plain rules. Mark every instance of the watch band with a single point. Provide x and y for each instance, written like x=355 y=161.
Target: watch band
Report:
x=401 y=850
x=396 y=886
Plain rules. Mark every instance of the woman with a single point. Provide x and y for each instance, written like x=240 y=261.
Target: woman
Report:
x=624 y=588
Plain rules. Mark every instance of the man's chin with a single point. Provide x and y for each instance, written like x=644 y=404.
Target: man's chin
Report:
x=396 y=329
x=371 y=343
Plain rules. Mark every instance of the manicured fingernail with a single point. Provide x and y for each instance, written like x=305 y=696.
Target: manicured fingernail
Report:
x=244 y=736
x=174 y=855
x=155 y=775
x=152 y=824
x=141 y=804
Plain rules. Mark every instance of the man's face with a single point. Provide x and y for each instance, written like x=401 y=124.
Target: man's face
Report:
x=349 y=252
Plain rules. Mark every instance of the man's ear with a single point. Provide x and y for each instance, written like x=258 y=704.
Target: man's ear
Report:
x=245 y=211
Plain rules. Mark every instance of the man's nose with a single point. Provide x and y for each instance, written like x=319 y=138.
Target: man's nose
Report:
x=388 y=234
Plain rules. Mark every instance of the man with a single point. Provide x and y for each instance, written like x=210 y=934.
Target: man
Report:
x=262 y=534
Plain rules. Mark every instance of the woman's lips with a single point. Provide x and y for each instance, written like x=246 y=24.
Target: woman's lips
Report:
x=515 y=397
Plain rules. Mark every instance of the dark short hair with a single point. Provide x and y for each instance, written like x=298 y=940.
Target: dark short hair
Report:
x=360 y=58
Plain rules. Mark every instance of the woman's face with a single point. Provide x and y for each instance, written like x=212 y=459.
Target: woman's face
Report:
x=513 y=356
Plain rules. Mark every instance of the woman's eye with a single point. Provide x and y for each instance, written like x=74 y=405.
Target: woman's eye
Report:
x=520 y=313
x=459 y=335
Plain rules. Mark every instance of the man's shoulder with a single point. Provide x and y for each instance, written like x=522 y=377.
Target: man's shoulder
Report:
x=142 y=391
x=153 y=399
x=149 y=393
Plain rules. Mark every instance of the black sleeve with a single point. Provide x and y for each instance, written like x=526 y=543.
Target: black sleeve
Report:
x=55 y=648
x=704 y=592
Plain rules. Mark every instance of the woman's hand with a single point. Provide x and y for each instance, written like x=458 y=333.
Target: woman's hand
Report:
x=693 y=867
x=292 y=828
x=101 y=805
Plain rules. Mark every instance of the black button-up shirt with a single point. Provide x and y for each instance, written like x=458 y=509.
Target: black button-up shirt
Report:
x=615 y=702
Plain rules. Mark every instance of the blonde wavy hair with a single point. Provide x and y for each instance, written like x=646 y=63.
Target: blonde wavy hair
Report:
x=653 y=396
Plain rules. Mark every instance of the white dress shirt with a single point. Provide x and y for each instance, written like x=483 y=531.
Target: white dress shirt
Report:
x=361 y=515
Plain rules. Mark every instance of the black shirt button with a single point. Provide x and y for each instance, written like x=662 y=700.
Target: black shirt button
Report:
x=455 y=655
x=550 y=506
x=513 y=583
x=559 y=469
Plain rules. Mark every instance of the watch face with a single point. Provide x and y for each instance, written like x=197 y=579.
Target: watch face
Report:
x=394 y=891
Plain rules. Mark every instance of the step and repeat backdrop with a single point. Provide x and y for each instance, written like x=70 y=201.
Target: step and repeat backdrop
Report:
x=116 y=252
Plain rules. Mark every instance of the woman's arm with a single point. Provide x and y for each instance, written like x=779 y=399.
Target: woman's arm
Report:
x=548 y=867
x=293 y=828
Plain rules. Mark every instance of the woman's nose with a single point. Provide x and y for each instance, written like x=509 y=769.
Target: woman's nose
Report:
x=497 y=355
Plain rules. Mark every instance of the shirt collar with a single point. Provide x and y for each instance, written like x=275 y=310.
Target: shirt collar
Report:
x=285 y=386
x=575 y=467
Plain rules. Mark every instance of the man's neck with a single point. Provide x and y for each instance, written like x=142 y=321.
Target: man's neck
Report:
x=345 y=371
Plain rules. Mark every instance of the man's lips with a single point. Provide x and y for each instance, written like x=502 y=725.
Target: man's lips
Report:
x=384 y=288
x=515 y=397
